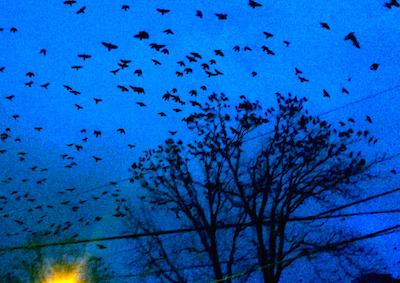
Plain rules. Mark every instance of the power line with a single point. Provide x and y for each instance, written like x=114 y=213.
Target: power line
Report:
x=188 y=230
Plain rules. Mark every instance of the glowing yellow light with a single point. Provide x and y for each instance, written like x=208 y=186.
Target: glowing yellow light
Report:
x=64 y=276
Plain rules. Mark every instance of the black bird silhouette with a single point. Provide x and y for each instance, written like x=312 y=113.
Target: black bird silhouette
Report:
x=78 y=107
x=267 y=34
x=138 y=72
x=123 y=88
x=121 y=131
x=114 y=71
x=392 y=3
x=156 y=62
x=97 y=100
x=168 y=31
x=374 y=67
x=84 y=56
x=267 y=50
x=163 y=11
x=253 y=4
x=13 y=29
x=141 y=104
x=199 y=14
x=325 y=25
x=353 y=39
x=141 y=35
x=69 y=2
x=109 y=46
x=125 y=7
x=344 y=90
x=43 y=52
x=326 y=94
x=96 y=158
x=221 y=16
x=81 y=10
x=368 y=119
x=46 y=85
x=138 y=90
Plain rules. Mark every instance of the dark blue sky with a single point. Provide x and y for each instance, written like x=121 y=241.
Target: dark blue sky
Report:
x=324 y=57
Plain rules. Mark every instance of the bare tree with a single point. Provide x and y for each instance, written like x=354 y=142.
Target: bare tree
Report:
x=302 y=167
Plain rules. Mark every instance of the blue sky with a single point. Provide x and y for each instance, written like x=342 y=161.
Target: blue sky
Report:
x=324 y=57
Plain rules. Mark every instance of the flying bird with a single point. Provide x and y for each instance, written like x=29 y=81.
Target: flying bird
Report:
x=253 y=4
x=141 y=35
x=353 y=39
x=109 y=46
x=374 y=67
x=221 y=16
x=163 y=11
x=325 y=26
x=81 y=10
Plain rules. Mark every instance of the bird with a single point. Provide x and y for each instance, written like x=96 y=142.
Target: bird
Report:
x=162 y=11
x=78 y=107
x=268 y=34
x=368 y=119
x=69 y=2
x=168 y=31
x=199 y=14
x=374 y=67
x=121 y=131
x=221 y=16
x=45 y=85
x=325 y=25
x=325 y=93
x=253 y=4
x=97 y=100
x=109 y=46
x=142 y=35
x=353 y=39
x=84 y=56
x=125 y=7
x=141 y=104
x=96 y=158
x=81 y=10
x=138 y=90
x=43 y=52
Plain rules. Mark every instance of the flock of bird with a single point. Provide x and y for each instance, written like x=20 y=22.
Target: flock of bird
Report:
x=14 y=198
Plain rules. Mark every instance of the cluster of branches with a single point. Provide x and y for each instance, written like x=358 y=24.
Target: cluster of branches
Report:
x=302 y=167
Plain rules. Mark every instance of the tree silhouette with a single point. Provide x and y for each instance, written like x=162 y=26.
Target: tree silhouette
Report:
x=254 y=204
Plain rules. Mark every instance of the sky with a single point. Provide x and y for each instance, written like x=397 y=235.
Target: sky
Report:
x=324 y=57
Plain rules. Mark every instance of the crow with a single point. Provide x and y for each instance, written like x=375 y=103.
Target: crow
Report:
x=96 y=158
x=81 y=10
x=84 y=56
x=374 y=67
x=163 y=11
x=138 y=90
x=142 y=35
x=109 y=46
x=199 y=14
x=353 y=39
x=325 y=25
x=253 y=4
x=69 y=2
x=221 y=16
x=125 y=7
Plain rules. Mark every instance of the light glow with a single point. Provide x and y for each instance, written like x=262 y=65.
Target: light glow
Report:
x=64 y=275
